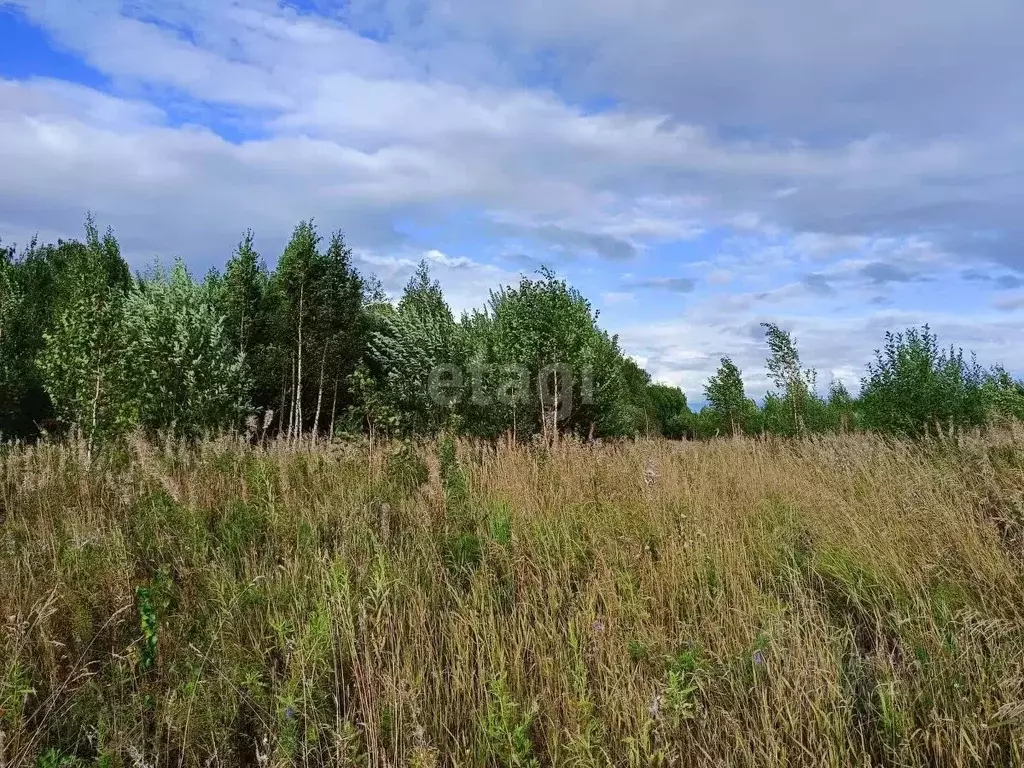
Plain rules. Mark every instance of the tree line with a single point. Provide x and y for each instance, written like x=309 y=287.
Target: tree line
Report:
x=313 y=348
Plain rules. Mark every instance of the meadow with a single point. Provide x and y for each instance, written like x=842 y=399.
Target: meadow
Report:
x=841 y=600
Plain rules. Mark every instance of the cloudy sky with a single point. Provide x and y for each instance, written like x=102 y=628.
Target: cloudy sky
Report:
x=694 y=168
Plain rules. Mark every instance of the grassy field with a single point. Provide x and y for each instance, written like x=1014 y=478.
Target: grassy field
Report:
x=843 y=601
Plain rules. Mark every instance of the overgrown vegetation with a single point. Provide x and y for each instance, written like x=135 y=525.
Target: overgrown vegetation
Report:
x=312 y=349
x=836 y=600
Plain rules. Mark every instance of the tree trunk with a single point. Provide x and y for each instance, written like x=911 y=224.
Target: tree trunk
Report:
x=95 y=415
x=298 y=380
x=369 y=423
x=282 y=412
x=543 y=411
x=319 y=394
x=554 y=415
x=334 y=403
x=291 y=415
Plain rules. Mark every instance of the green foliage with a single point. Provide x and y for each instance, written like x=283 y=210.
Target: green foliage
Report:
x=639 y=653
x=453 y=477
x=54 y=758
x=10 y=303
x=682 y=686
x=840 y=412
x=794 y=385
x=152 y=600
x=339 y=329
x=1003 y=396
x=462 y=554
x=913 y=386
x=410 y=358
x=313 y=347
x=671 y=410
x=81 y=366
x=81 y=361
x=406 y=470
x=24 y=402
x=242 y=296
x=727 y=401
x=500 y=526
x=149 y=625
x=180 y=370
x=539 y=363
x=319 y=330
x=506 y=728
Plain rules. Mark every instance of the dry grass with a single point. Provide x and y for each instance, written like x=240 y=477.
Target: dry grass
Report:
x=843 y=601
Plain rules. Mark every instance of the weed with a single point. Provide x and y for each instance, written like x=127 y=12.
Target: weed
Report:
x=406 y=470
x=506 y=728
x=838 y=601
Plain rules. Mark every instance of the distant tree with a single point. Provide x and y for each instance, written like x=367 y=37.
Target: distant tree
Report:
x=775 y=416
x=539 y=351
x=641 y=413
x=706 y=424
x=795 y=385
x=294 y=282
x=317 y=299
x=339 y=328
x=726 y=397
x=673 y=413
x=180 y=373
x=241 y=296
x=1003 y=396
x=83 y=350
x=242 y=290
x=423 y=296
x=607 y=405
x=24 y=402
x=841 y=407
x=407 y=350
x=10 y=304
x=83 y=341
x=913 y=386
x=35 y=278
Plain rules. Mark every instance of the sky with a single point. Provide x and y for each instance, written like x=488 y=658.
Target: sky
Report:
x=694 y=168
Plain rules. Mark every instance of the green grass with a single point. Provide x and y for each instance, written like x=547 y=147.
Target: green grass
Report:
x=830 y=602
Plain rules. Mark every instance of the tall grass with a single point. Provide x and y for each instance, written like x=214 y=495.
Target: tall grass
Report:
x=836 y=601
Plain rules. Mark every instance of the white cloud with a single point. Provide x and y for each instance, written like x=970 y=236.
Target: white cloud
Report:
x=801 y=137
x=720 y=277
x=618 y=297
x=686 y=350
x=463 y=280
x=1010 y=303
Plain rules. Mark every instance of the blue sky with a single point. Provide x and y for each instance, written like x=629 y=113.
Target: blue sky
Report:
x=695 y=169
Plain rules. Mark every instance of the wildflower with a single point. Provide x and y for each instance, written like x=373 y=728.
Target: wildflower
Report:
x=289 y=713
x=599 y=626
x=758 y=657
